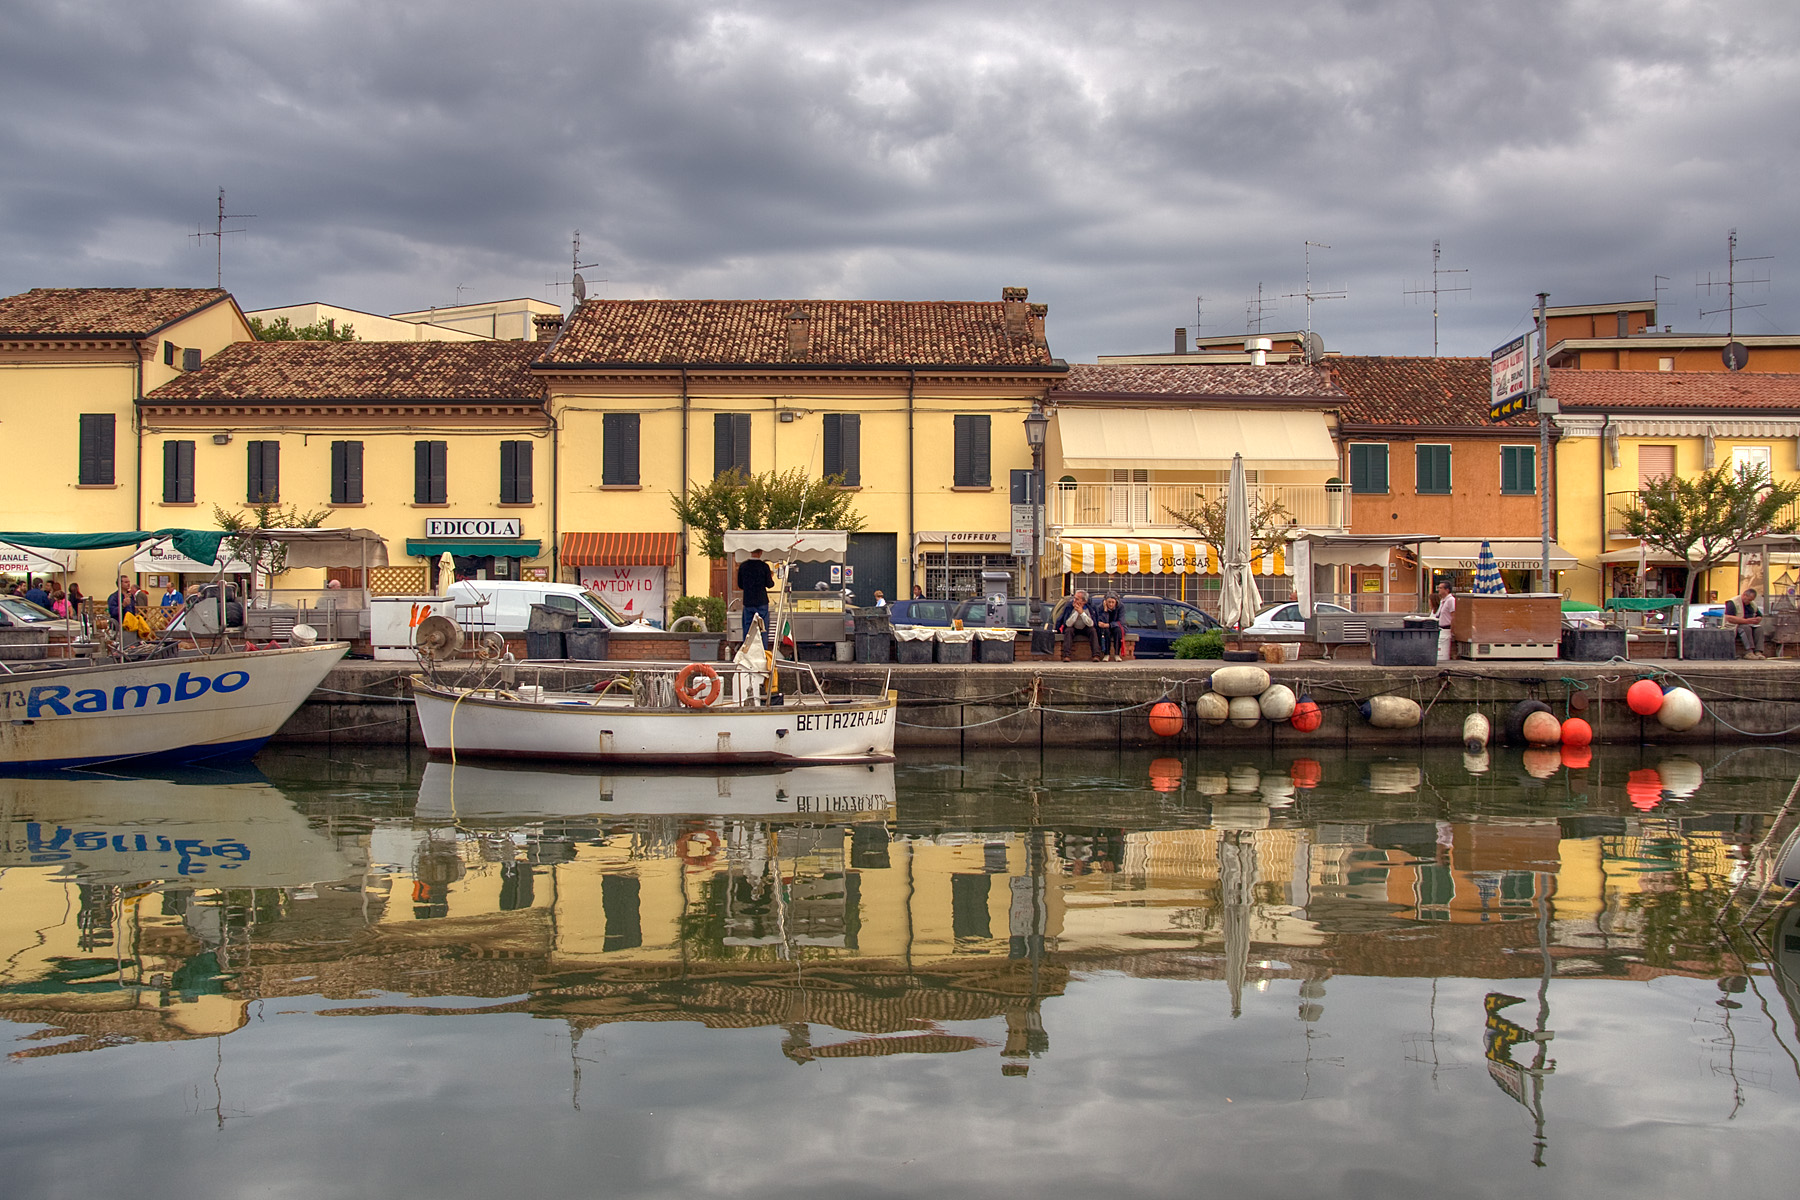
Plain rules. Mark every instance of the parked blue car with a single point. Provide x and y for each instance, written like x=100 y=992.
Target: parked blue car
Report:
x=1156 y=622
x=921 y=612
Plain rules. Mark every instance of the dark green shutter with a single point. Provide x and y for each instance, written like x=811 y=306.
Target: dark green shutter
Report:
x=1518 y=470
x=178 y=472
x=619 y=449
x=515 y=472
x=1369 y=467
x=265 y=472
x=429 y=483
x=346 y=472
x=843 y=447
x=974 y=461
x=731 y=443
x=1432 y=470
x=96 y=459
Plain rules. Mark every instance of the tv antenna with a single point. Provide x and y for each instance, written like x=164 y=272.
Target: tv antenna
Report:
x=1309 y=295
x=460 y=289
x=1436 y=289
x=218 y=236
x=576 y=285
x=1657 y=288
x=1253 y=310
x=1199 y=313
x=1730 y=283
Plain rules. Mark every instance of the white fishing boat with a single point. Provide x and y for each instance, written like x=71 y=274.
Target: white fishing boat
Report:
x=485 y=792
x=649 y=712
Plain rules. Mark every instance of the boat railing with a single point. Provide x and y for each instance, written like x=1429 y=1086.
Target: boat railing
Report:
x=743 y=685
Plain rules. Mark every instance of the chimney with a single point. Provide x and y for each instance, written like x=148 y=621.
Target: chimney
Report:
x=1624 y=323
x=547 y=326
x=1258 y=350
x=1038 y=313
x=1012 y=304
x=799 y=333
x=1180 y=340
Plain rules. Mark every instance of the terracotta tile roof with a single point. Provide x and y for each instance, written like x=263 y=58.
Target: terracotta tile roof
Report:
x=1667 y=391
x=1200 y=379
x=841 y=332
x=301 y=372
x=1391 y=390
x=99 y=312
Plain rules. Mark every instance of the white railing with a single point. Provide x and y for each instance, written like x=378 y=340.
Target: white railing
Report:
x=1373 y=602
x=1149 y=506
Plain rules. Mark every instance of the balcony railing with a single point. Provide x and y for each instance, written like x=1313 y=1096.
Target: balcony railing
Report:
x=1147 y=507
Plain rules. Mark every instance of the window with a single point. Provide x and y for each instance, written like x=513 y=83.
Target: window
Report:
x=1431 y=470
x=96 y=449
x=515 y=472
x=619 y=450
x=1141 y=615
x=346 y=473
x=1751 y=458
x=974 y=463
x=1518 y=470
x=731 y=443
x=1654 y=462
x=429 y=486
x=843 y=447
x=178 y=472
x=1369 y=468
x=168 y=354
x=265 y=472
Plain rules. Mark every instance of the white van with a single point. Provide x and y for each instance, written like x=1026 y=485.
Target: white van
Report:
x=504 y=606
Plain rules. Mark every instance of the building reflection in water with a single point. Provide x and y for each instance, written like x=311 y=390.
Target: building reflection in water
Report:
x=856 y=918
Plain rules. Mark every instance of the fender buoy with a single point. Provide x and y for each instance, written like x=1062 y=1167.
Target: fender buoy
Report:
x=1391 y=712
x=698 y=686
x=1577 y=732
x=1277 y=703
x=699 y=848
x=1542 y=729
x=1211 y=708
x=1476 y=732
x=1515 y=720
x=1644 y=697
x=1681 y=709
x=1308 y=716
x=1166 y=719
x=1232 y=682
x=1245 y=711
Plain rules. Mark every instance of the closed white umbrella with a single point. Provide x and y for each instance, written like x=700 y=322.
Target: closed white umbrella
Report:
x=1239 y=598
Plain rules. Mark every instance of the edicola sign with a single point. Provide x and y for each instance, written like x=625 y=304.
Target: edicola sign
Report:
x=1511 y=377
x=474 y=527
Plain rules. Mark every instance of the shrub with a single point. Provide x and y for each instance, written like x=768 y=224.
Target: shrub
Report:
x=1210 y=644
x=710 y=609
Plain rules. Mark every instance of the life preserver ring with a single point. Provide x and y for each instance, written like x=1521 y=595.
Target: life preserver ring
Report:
x=699 y=848
x=702 y=694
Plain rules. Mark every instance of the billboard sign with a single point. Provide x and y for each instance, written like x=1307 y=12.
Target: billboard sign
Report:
x=1512 y=376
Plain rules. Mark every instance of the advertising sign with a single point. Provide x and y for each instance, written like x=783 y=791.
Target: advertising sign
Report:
x=638 y=592
x=474 y=527
x=21 y=560
x=1023 y=530
x=1512 y=376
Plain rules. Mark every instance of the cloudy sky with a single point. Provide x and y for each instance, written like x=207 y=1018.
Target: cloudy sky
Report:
x=1119 y=159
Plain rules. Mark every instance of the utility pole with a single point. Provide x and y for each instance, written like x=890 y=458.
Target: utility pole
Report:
x=1543 y=409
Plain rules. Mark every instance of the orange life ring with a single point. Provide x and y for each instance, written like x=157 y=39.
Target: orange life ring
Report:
x=704 y=694
x=699 y=848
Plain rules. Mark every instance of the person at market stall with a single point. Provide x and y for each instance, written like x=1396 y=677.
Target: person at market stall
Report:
x=37 y=595
x=1446 y=613
x=754 y=579
x=1742 y=615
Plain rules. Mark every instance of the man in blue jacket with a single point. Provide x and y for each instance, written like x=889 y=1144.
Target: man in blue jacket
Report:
x=1079 y=620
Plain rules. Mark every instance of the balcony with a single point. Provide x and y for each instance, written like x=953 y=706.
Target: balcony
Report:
x=1146 y=507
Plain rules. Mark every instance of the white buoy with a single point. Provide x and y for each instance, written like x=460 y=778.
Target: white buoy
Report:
x=1276 y=790
x=1277 y=702
x=1392 y=712
x=1212 y=708
x=1476 y=732
x=1245 y=712
x=1680 y=710
x=1240 y=681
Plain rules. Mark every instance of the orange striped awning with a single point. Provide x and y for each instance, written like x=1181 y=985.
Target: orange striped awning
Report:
x=1110 y=556
x=621 y=549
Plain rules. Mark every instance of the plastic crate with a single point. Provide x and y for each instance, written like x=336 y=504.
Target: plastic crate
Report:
x=1415 y=647
x=545 y=645
x=955 y=652
x=914 y=653
x=587 y=644
x=994 y=650
x=1593 y=645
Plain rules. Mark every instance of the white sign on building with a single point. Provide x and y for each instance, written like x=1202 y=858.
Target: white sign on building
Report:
x=474 y=527
x=1511 y=376
x=638 y=592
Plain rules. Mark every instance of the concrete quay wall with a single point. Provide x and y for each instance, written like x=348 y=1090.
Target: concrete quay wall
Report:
x=1106 y=704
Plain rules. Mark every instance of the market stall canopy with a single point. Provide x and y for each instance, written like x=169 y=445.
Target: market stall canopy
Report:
x=1510 y=554
x=1653 y=555
x=1183 y=439
x=621 y=549
x=201 y=545
x=788 y=545
x=1358 y=550
x=330 y=547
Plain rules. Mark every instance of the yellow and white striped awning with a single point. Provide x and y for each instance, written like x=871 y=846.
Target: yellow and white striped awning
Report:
x=1114 y=556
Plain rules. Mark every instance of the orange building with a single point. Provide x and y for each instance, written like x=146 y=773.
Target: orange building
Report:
x=1625 y=336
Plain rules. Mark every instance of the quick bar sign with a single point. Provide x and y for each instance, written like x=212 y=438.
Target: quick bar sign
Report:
x=450 y=528
x=1512 y=377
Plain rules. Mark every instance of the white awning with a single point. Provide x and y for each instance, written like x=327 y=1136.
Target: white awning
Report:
x=1358 y=550
x=160 y=558
x=331 y=547
x=1653 y=556
x=788 y=545
x=1511 y=554
x=1194 y=439
x=34 y=560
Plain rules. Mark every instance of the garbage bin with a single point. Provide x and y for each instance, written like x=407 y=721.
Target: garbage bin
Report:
x=1413 y=645
x=544 y=619
x=955 y=645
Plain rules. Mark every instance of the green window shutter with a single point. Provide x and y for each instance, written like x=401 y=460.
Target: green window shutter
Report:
x=731 y=443
x=346 y=472
x=843 y=447
x=1432 y=470
x=430 y=483
x=1518 y=470
x=973 y=457
x=96 y=457
x=264 y=472
x=619 y=449
x=178 y=472
x=1369 y=468
x=515 y=472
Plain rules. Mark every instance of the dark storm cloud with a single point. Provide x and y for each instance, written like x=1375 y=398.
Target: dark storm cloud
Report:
x=1118 y=160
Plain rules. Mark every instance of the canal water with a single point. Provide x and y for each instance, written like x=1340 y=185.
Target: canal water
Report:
x=1092 y=974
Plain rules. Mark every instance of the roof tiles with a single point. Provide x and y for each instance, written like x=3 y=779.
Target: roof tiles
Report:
x=99 y=312
x=1398 y=390
x=316 y=372
x=1671 y=391
x=1200 y=379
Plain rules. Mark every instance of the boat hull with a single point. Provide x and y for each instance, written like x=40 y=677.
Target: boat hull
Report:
x=180 y=710
x=460 y=724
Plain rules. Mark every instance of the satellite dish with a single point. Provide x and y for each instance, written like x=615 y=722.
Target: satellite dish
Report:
x=437 y=637
x=1315 y=347
x=580 y=288
x=1736 y=356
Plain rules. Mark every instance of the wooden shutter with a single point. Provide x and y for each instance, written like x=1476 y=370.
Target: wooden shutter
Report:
x=346 y=472
x=1655 y=462
x=1369 y=467
x=96 y=465
x=973 y=458
x=265 y=472
x=1518 y=470
x=429 y=484
x=731 y=442
x=1432 y=474
x=619 y=449
x=178 y=472
x=843 y=447
x=515 y=472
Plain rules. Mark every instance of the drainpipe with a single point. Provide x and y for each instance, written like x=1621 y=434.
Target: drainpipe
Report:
x=684 y=482
x=912 y=381
x=555 y=489
x=137 y=428
x=1605 y=425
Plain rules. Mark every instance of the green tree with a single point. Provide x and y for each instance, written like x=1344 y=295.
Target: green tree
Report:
x=283 y=330
x=772 y=500
x=1270 y=522
x=1707 y=518
x=267 y=559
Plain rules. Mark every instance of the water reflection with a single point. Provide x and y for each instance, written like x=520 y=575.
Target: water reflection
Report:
x=961 y=910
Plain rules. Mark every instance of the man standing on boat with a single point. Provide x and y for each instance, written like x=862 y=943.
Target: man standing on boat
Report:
x=754 y=579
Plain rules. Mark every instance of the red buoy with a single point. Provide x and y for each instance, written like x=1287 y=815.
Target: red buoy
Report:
x=1166 y=719
x=1307 y=715
x=1577 y=732
x=1645 y=697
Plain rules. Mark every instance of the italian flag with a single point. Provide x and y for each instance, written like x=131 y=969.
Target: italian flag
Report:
x=787 y=633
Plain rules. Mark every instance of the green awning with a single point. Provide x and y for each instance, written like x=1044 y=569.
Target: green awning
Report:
x=201 y=545
x=1642 y=603
x=426 y=548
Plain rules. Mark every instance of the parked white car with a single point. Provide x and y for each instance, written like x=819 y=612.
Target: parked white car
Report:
x=1285 y=618
x=504 y=605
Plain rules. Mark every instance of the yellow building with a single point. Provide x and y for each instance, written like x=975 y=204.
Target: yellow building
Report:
x=919 y=406
x=74 y=362
x=1621 y=429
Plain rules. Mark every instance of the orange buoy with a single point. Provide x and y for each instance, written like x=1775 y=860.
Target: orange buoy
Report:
x=1307 y=715
x=1577 y=732
x=1644 y=789
x=1644 y=697
x=1542 y=729
x=1166 y=719
x=698 y=686
x=1577 y=758
x=1306 y=773
x=1165 y=774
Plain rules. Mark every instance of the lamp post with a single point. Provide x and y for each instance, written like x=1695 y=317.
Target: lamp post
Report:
x=1036 y=426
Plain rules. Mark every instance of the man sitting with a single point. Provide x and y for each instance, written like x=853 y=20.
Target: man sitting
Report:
x=1742 y=615
x=1079 y=618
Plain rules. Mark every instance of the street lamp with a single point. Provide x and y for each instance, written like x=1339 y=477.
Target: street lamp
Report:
x=1037 y=424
